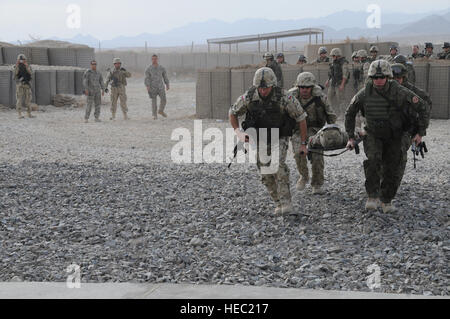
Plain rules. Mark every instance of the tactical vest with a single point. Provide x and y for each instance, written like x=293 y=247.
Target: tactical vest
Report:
x=268 y=114
x=384 y=119
x=336 y=71
x=116 y=79
x=23 y=75
x=315 y=109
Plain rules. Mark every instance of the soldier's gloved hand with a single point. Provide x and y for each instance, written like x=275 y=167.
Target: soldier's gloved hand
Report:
x=351 y=144
x=106 y=90
x=242 y=136
x=122 y=69
x=417 y=139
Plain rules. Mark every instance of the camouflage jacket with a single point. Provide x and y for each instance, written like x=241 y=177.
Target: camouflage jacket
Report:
x=117 y=77
x=316 y=107
x=19 y=79
x=288 y=104
x=156 y=77
x=93 y=81
x=406 y=101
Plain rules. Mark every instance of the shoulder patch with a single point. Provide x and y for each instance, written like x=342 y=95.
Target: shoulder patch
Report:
x=415 y=99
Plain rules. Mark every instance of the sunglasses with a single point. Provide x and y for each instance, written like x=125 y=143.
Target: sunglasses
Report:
x=378 y=77
x=305 y=87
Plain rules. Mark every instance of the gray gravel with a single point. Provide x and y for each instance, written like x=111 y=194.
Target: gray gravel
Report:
x=107 y=197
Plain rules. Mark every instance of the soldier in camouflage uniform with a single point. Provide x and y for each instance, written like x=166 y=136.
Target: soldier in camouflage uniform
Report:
x=400 y=75
x=384 y=103
x=276 y=68
x=155 y=79
x=323 y=58
x=393 y=51
x=273 y=108
x=373 y=54
x=416 y=52
x=94 y=88
x=411 y=73
x=428 y=53
x=23 y=76
x=337 y=78
x=281 y=59
x=314 y=102
x=445 y=55
x=118 y=79
x=301 y=60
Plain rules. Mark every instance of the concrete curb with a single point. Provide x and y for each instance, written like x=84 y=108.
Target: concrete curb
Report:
x=34 y=290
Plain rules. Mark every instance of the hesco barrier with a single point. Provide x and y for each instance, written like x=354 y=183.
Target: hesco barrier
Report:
x=79 y=82
x=10 y=54
x=219 y=88
x=5 y=87
x=45 y=84
x=62 y=56
x=1 y=56
x=39 y=56
x=65 y=82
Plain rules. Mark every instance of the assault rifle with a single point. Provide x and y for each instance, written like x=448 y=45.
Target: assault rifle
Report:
x=418 y=149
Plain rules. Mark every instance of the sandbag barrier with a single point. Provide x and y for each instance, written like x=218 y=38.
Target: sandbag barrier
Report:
x=218 y=89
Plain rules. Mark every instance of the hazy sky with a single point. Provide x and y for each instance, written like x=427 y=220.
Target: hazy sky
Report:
x=105 y=19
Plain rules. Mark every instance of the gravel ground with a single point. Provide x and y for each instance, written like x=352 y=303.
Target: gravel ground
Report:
x=107 y=196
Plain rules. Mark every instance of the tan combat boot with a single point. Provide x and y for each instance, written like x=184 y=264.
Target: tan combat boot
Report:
x=97 y=120
x=113 y=116
x=278 y=209
x=162 y=113
x=301 y=184
x=388 y=208
x=125 y=117
x=287 y=209
x=30 y=115
x=20 y=115
x=372 y=204
x=155 y=117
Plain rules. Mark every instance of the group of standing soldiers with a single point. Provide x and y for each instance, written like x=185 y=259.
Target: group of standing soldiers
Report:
x=95 y=88
x=390 y=111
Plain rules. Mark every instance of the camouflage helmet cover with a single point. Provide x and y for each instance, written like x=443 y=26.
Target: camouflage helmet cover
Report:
x=264 y=78
x=306 y=79
x=21 y=56
x=336 y=52
x=331 y=137
x=280 y=55
x=373 y=48
x=380 y=68
x=354 y=54
x=400 y=59
x=362 y=54
x=322 y=50
x=301 y=57
x=116 y=60
x=267 y=56
x=429 y=45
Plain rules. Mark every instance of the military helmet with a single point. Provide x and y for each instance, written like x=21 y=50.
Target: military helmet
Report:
x=399 y=70
x=428 y=45
x=306 y=79
x=400 y=59
x=332 y=137
x=373 y=48
x=354 y=54
x=380 y=68
x=322 y=50
x=301 y=57
x=116 y=60
x=362 y=54
x=21 y=56
x=393 y=47
x=280 y=55
x=268 y=56
x=264 y=78
x=336 y=52
x=446 y=45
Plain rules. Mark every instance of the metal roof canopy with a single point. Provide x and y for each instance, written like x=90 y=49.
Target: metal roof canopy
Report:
x=266 y=37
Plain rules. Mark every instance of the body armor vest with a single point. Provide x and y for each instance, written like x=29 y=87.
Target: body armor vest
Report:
x=336 y=71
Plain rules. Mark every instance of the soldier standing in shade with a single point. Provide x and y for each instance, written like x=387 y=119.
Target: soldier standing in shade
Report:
x=23 y=77
x=393 y=51
x=400 y=73
x=416 y=52
x=373 y=54
x=276 y=68
x=428 y=53
x=272 y=107
x=411 y=73
x=337 y=78
x=445 y=55
x=155 y=79
x=314 y=102
x=323 y=58
x=118 y=79
x=94 y=89
x=281 y=59
x=383 y=103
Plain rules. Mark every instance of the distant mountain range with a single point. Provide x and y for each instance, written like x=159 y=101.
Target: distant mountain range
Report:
x=336 y=26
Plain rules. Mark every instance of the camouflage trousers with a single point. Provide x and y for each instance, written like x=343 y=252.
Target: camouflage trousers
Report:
x=116 y=94
x=383 y=167
x=94 y=99
x=162 y=95
x=336 y=98
x=277 y=183
x=406 y=144
x=23 y=96
x=317 y=161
